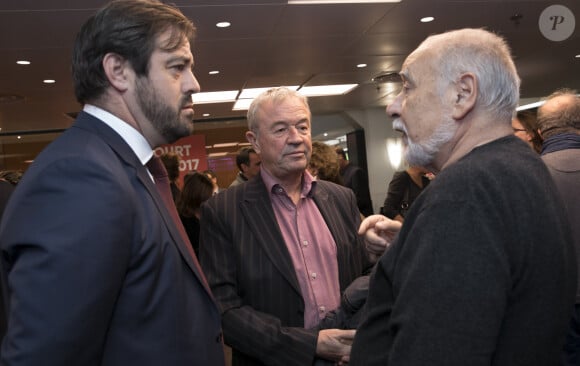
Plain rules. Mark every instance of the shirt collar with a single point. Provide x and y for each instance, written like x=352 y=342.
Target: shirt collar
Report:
x=132 y=137
x=308 y=182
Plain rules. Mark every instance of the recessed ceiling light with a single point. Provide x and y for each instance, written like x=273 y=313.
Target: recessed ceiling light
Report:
x=577 y=56
x=340 y=1
x=214 y=72
x=360 y=66
x=242 y=104
x=254 y=92
x=215 y=97
x=223 y=24
x=323 y=90
x=49 y=81
x=19 y=137
x=427 y=19
x=206 y=114
x=530 y=105
x=325 y=134
x=23 y=62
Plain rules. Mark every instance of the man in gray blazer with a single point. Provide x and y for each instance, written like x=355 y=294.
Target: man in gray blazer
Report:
x=279 y=249
x=93 y=263
x=559 y=125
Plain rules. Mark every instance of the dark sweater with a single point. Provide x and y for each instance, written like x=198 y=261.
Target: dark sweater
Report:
x=483 y=271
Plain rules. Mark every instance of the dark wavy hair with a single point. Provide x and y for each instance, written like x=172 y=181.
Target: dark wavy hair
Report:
x=130 y=29
x=197 y=188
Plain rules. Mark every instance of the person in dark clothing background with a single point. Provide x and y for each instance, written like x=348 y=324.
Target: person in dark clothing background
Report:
x=559 y=124
x=356 y=179
x=197 y=188
x=403 y=189
x=171 y=162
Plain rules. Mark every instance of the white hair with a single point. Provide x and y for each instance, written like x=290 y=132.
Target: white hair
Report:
x=488 y=57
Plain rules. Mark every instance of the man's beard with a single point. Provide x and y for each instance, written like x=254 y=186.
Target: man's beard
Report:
x=423 y=154
x=166 y=120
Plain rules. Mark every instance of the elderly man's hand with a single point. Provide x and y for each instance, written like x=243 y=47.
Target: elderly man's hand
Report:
x=379 y=232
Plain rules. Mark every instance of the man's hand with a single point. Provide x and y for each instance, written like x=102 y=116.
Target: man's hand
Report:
x=334 y=344
x=379 y=232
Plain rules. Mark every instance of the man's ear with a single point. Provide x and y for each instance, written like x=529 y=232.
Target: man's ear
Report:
x=252 y=139
x=465 y=94
x=117 y=71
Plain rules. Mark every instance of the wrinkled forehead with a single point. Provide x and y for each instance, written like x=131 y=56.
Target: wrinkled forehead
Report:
x=417 y=60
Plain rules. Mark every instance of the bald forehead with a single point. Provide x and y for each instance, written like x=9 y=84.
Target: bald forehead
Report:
x=558 y=103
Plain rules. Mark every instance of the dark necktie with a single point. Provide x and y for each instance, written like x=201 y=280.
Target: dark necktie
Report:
x=159 y=173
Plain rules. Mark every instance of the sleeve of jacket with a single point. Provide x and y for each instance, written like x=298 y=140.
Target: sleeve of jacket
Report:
x=65 y=273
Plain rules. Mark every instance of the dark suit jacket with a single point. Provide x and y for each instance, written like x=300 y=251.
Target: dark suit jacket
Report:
x=96 y=270
x=252 y=277
x=356 y=179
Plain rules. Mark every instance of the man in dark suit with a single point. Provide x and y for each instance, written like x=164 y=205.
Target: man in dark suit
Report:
x=279 y=249
x=93 y=262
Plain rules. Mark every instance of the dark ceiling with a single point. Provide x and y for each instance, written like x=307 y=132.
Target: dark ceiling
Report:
x=272 y=43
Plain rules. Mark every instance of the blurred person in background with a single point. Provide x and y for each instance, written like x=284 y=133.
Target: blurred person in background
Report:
x=248 y=163
x=525 y=127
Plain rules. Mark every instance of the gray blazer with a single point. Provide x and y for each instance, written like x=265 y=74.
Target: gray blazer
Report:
x=250 y=271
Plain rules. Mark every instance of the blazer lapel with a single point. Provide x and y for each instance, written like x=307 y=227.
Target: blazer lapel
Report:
x=257 y=210
x=127 y=155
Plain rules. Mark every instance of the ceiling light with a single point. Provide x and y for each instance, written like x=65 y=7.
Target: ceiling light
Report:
x=23 y=62
x=323 y=90
x=223 y=24
x=325 y=134
x=242 y=104
x=577 y=56
x=225 y=144
x=49 y=81
x=360 y=66
x=530 y=106
x=251 y=93
x=215 y=97
x=214 y=72
x=216 y=154
x=331 y=142
x=427 y=19
x=340 y=1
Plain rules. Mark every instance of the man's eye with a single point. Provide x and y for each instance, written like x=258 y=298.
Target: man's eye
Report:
x=178 y=67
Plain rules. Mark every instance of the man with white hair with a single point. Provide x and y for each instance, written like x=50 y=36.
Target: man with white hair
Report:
x=482 y=271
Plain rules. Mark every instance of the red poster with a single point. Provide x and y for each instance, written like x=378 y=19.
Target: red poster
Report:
x=191 y=152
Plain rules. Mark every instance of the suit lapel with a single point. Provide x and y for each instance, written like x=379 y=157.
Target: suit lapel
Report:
x=330 y=209
x=124 y=152
x=257 y=210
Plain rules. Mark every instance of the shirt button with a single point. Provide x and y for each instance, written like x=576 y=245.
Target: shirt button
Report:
x=322 y=309
x=313 y=275
x=305 y=243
